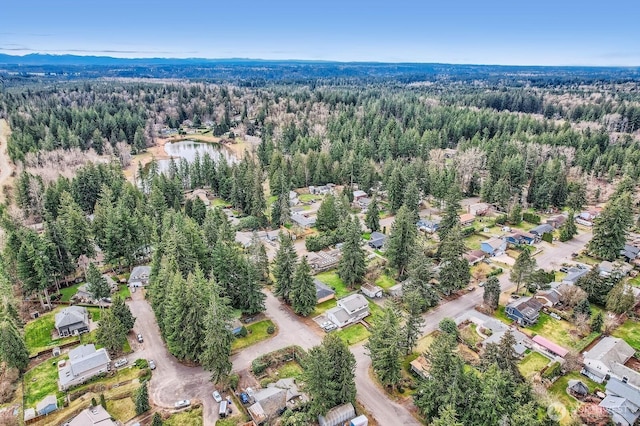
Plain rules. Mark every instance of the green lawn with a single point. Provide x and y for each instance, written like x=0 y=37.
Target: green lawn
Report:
x=353 y=334
x=385 y=281
x=473 y=242
x=41 y=381
x=635 y=281
x=559 y=389
x=122 y=409
x=38 y=333
x=559 y=331
x=68 y=292
x=469 y=335
x=305 y=198
x=186 y=418
x=375 y=312
x=500 y=314
x=630 y=333
x=532 y=364
x=366 y=236
x=323 y=307
x=257 y=332
x=219 y=202
x=124 y=291
x=290 y=369
x=332 y=279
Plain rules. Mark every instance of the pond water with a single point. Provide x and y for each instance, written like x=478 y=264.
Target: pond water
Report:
x=188 y=150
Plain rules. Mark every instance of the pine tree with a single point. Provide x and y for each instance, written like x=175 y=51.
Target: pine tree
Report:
x=96 y=284
x=142 y=399
x=522 y=268
x=450 y=219
x=216 y=353
x=448 y=325
x=329 y=375
x=412 y=200
x=569 y=229
x=597 y=322
x=122 y=312
x=620 y=299
x=447 y=416
x=454 y=272
x=596 y=287
x=111 y=333
x=582 y=307
x=372 y=218
x=157 y=420
x=303 y=293
x=74 y=228
x=250 y=298
x=103 y=401
x=421 y=274
x=395 y=189
x=413 y=321
x=401 y=240
x=609 y=229
x=13 y=349
x=491 y=295
x=284 y=267
x=327 y=217
x=352 y=265
x=385 y=347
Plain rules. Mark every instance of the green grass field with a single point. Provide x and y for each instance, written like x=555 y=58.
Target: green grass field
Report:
x=305 y=198
x=38 y=335
x=473 y=242
x=559 y=389
x=532 y=364
x=560 y=332
x=353 y=334
x=68 y=292
x=122 y=409
x=41 y=381
x=630 y=333
x=257 y=333
x=332 y=279
x=290 y=369
x=323 y=307
x=187 y=418
x=385 y=281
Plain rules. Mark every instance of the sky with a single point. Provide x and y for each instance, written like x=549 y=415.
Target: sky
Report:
x=541 y=32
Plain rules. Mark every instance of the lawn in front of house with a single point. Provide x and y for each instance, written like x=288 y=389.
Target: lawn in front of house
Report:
x=353 y=334
x=559 y=389
x=41 y=381
x=423 y=344
x=629 y=331
x=385 y=281
x=124 y=291
x=332 y=279
x=191 y=417
x=306 y=198
x=256 y=332
x=123 y=409
x=323 y=307
x=502 y=316
x=472 y=242
x=559 y=331
x=38 y=333
x=469 y=335
x=68 y=292
x=532 y=364
x=290 y=369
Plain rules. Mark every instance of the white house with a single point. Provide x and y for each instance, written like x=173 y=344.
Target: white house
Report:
x=608 y=357
x=350 y=310
x=84 y=363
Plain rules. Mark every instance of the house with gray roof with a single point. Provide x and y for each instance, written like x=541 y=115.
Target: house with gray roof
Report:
x=273 y=400
x=525 y=311
x=574 y=274
x=323 y=292
x=548 y=298
x=622 y=402
x=48 y=405
x=139 y=276
x=349 y=310
x=629 y=252
x=72 y=320
x=92 y=416
x=540 y=230
x=608 y=358
x=303 y=221
x=85 y=362
x=377 y=240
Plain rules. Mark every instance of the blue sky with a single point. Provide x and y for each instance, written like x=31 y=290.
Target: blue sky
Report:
x=453 y=31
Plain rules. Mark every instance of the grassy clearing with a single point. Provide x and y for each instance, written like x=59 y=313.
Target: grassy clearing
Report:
x=473 y=242
x=68 y=292
x=41 y=381
x=219 y=202
x=502 y=316
x=469 y=335
x=366 y=236
x=95 y=314
x=332 y=279
x=256 y=333
x=38 y=335
x=583 y=258
x=375 y=312
x=558 y=331
x=559 y=389
x=532 y=364
x=353 y=334
x=122 y=409
x=424 y=343
x=635 y=281
x=323 y=307
x=306 y=198
x=385 y=281
x=186 y=418
x=630 y=333
x=124 y=291
x=290 y=369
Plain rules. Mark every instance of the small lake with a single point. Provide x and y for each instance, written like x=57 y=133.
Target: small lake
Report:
x=188 y=150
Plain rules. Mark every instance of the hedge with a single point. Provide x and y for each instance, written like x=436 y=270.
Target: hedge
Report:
x=319 y=242
x=260 y=364
x=495 y=272
x=531 y=218
x=552 y=371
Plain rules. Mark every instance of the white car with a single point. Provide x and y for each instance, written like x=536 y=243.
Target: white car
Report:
x=119 y=363
x=216 y=396
x=182 y=403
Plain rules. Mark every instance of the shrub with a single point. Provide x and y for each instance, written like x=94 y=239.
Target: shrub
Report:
x=271 y=329
x=319 y=242
x=552 y=371
x=233 y=380
x=243 y=332
x=495 y=272
x=249 y=223
x=548 y=237
x=469 y=230
x=531 y=218
x=141 y=363
x=501 y=220
x=259 y=365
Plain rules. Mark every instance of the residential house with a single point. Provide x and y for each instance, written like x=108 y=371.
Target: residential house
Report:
x=338 y=416
x=319 y=190
x=84 y=363
x=349 y=310
x=364 y=203
x=358 y=194
x=73 y=320
x=549 y=298
x=616 y=270
x=574 y=274
x=629 y=252
x=496 y=329
x=467 y=219
x=323 y=292
x=608 y=358
x=493 y=246
x=377 y=240
x=557 y=221
x=517 y=238
x=201 y=194
x=371 y=290
x=540 y=230
x=303 y=221
x=546 y=345
x=479 y=209
x=269 y=404
x=428 y=226
x=474 y=256
x=48 y=405
x=586 y=218
x=139 y=276
x=525 y=311
x=421 y=366
x=622 y=402
x=92 y=416
x=323 y=260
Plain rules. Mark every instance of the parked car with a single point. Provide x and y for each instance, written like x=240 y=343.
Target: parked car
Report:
x=244 y=398
x=554 y=315
x=564 y=269
x=248 y=320
x=330 y=327
x=182 y=403
x=140 y=339
x=152 y=365
x=216 y=396
x=119 y=363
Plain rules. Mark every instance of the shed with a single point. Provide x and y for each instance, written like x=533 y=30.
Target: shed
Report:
x=377 y=240
x=361 y=420
x=467 y=219
x=338 y=415
x=56 y=351
x=550 y=346
x=474 y=256
x=578 y=388
x=371 y=290
x=48 y=405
